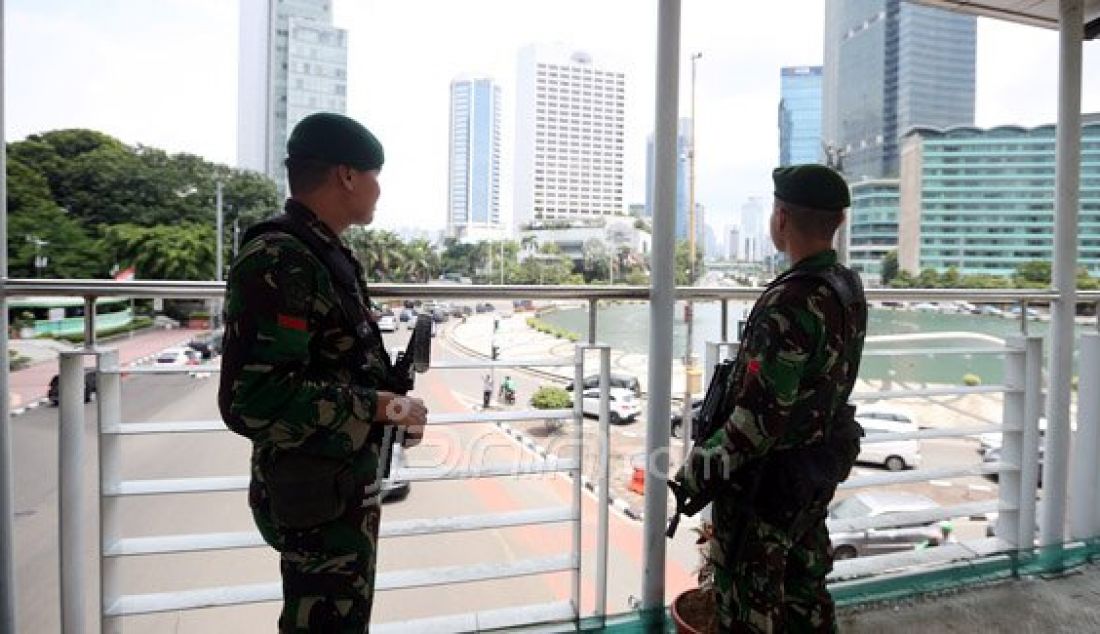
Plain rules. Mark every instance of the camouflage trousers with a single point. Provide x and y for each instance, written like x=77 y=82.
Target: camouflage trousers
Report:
x=328 y=573
x=771 y=581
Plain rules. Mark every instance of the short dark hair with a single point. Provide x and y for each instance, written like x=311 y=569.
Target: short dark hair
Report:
x=305 y=175
x=813 y=223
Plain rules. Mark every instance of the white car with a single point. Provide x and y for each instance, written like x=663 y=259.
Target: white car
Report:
x=177 y=356
x=888 y=415
x=895 y=455
x=624 y=405
x=387 y=323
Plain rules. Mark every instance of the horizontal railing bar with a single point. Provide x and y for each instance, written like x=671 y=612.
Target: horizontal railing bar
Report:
x=407 y=528
x=861 y=567
x=897 y=352
x=198 y=542
x=205 y=426
x=192 y=543
x=135 y=604
x=934 y=391
x=446 y=575
x=499 y=417
x=211 y=289
x=877 y=437
x=524 y=615
x=165 y=369
x=543 y=466
x=910 y=518
x=923 y=475
x=176 y=485
x=167 y=427
x=534 y=362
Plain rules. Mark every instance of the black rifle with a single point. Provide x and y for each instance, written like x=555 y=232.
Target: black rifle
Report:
x=416 y=358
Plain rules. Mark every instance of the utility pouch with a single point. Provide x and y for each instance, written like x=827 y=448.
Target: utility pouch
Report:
x=306 y=490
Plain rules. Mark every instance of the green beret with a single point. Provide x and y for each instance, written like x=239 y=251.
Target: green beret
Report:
x=337 y=140
x=811 y=185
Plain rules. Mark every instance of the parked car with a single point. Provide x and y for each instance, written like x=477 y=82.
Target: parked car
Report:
x=387 y=322
x=877 y=541
x=406 y=314
x=177 y=356
x=1015 y=312
x=439 y=315
x=89 y=387
x=624 y=405
x=484 y=308
x=895 y=455
x=395 y=490
x=888 y=415
x=625 y=381
x=994 y=456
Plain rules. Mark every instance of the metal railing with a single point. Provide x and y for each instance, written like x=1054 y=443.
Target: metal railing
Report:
x=112 y=488
x=1017 y=468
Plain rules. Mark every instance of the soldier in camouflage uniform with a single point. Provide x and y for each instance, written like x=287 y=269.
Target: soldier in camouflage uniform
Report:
x=796 y=366
x=304 y=386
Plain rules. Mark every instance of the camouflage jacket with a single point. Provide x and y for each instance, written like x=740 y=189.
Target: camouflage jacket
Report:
x=294 y=376
x=792 y=363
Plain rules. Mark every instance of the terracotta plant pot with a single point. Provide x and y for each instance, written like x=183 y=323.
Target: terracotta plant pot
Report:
x=694 y=611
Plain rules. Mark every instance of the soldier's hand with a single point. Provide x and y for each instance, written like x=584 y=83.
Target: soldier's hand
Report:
x=408 y=412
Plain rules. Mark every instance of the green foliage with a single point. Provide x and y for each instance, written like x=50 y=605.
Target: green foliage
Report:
x=17 y=361
x=70 y=187
x=889 y=267
x=554 y=331
x=166 y=252
x=1035 y=272
x=971 y=380
x=551 y=397
x=683 y=263
x=136 y=324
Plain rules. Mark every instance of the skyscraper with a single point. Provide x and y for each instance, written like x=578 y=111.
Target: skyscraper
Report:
x=474 y=167
x=293 y=62
x=799 y=115
x=569 y=136
x=683 y=177
x=891 y=65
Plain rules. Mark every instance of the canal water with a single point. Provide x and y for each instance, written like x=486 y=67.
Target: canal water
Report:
x=625 y=326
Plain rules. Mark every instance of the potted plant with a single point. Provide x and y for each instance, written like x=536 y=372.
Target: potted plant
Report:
x=694 y=610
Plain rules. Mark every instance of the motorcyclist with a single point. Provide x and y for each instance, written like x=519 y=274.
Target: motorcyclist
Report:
x=508 y=390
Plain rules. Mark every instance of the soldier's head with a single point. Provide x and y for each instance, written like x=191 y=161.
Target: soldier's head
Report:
x=332 y=166
x=809 y=206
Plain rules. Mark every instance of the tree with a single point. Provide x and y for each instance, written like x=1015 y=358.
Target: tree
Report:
x=1034 y=273
x=889 y=267
x=597 y=259
x=951 y=278
x=928 y=278
x=683 y=264
x=167 y=252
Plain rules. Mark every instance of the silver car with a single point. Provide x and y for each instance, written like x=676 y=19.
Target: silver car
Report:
x=877 y=541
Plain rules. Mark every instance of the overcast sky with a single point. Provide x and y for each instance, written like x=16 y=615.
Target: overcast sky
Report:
x=164 y=73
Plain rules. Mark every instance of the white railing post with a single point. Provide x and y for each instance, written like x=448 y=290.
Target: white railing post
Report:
x=578 y=425
x=1084 y=518
x=1029 y=439
x=71 y=461
x=109 y=404
x=605 y=480
x=1012 y=425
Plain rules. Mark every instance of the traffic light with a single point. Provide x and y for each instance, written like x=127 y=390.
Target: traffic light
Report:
x=496 y=352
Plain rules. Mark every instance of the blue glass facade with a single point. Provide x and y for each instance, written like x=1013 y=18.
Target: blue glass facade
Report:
x=985 y=202
x=800 y=115
x=474 y=185
x=873 y=226
x=891 y=65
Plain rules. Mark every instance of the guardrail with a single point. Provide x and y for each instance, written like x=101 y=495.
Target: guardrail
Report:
x=1016 y=509
x=112 y=489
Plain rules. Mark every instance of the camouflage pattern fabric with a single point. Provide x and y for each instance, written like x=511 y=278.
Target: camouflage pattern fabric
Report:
x=792 y=363
x=295 y=378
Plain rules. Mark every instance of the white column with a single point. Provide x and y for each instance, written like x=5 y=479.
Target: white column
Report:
x=662 y=300
x=7 y=469
x=1067 y=176
x=1084 y=519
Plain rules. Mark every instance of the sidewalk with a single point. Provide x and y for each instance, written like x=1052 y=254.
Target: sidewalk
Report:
x=27 y=387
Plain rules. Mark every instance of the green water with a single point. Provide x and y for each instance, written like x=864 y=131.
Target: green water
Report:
x=626 y=327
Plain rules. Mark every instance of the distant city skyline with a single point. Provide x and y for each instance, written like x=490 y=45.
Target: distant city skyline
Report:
x=398 y=80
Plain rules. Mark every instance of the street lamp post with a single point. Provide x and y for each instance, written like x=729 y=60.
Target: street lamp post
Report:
x=689 y=309
x=40 y=261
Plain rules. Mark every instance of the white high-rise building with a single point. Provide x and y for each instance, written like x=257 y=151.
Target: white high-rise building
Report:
x=569 y=136
x=293 y=62
x=474 y=169
x=754 y=230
